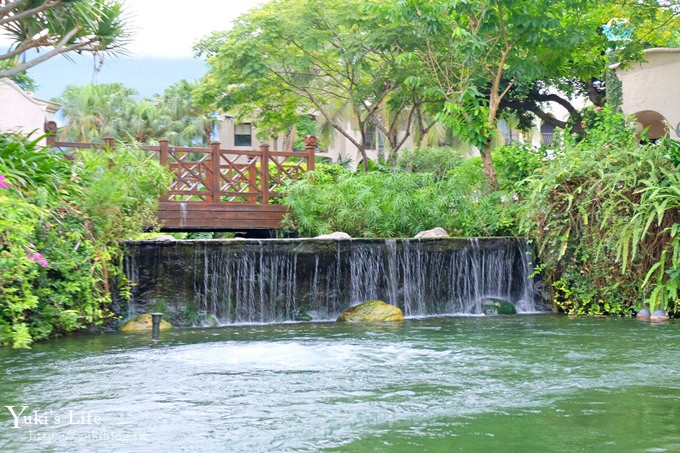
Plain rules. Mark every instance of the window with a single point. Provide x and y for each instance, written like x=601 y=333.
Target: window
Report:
x=243 y=135
x=369 y=139
x=547 y=134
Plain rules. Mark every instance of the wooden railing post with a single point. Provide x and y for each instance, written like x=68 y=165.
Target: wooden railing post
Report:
x=163 y=159
x=310 y=148
x=165 y=151
x=264 y=171
x=51 y=130
x=109 y=144
x=216 y=185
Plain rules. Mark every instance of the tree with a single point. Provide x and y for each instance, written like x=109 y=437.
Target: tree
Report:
x=291 y=57
x=486 y=55
x=191 y=123
x=22 y=79
x=95 y=111
x=54 y=27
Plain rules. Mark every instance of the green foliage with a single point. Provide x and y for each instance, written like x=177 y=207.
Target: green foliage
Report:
x=94 y=112
x=438 y=161
x=25 y=81
x=59 y=233
x=38 y=30
x=339 y=60
x=614 y=90
x=398 y=203
x=602 y=212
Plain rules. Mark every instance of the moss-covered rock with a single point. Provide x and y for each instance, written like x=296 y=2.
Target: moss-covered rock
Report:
x=498 y=307
x=372 y=311
x=143 y=323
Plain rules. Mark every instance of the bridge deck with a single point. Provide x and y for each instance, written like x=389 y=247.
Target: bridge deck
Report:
x=192 y=216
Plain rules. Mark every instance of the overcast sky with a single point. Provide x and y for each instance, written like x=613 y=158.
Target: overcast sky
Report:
x=164 y=32
x=169 y=28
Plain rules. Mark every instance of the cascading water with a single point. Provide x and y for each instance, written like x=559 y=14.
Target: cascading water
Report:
x=261 y=281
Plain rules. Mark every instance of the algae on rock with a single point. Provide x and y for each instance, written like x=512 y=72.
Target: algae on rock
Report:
x=372 y=311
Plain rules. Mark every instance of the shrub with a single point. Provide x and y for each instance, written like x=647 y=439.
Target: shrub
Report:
x=397 y=203
x=604 y=215
x=62 y=220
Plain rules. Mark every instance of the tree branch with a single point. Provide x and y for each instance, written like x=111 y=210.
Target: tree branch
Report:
x=6 y=8
x=29 y=12
x=60 y=48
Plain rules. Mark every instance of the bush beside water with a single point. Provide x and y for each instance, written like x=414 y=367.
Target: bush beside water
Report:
x=61 y=223
x=604 y=213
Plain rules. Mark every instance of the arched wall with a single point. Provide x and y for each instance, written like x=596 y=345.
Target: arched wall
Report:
x=653 y=86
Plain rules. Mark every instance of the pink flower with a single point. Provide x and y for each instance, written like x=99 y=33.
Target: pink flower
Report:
x=37 y=258
x=583 y=125
x=598 y=108
x=3 y=184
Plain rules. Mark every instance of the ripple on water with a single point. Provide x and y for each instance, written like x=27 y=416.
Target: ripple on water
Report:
x=426 y=383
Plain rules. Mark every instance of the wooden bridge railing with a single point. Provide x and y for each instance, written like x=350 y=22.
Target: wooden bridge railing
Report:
x=215 y=175
x=218 y=189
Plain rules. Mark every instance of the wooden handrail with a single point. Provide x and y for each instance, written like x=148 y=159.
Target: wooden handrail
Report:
x=219 y=175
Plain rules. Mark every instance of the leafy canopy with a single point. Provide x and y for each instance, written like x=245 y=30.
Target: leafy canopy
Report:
x=43 y=29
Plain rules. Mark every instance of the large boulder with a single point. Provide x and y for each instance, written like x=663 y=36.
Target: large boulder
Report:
x=659 y=315
x=143 y=323
x=498 y=307
x=163 y=238
x=335 y=235
x=644 y=314
x=372 y=311
x=433 y=233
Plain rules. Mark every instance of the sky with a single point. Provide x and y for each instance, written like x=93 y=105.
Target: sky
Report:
x=160 y=52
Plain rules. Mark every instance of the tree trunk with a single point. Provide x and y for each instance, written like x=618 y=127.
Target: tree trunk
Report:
x=487 y=165
x=208 y=130
x=364 y=157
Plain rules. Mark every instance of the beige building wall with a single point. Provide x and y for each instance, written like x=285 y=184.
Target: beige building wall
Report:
x=21 y=112
x=227 y=134
x=340 y=148
x=651 y=91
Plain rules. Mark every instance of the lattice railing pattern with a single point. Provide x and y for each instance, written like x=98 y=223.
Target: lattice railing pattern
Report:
x=192 y=170
x=214 y=175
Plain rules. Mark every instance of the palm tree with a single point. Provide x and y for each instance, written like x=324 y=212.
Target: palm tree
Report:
x=192 y=124
x=93 y=111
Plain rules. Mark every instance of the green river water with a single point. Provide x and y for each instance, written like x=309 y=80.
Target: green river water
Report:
x=521 y=383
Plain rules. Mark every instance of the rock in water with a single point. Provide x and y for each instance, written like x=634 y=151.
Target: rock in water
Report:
x=372 y=311
x=143 y=323
x=433 y=233
x=498 y=307
x=659 y=315
x=643 y=314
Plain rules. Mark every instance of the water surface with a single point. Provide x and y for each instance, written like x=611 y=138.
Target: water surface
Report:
x=525 y=383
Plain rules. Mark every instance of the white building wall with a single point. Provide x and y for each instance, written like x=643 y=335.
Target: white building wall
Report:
x=21 y=112
x=654 y=85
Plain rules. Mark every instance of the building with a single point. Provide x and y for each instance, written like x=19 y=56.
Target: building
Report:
x=651 y=92
x=243 y=135
x=21 y=112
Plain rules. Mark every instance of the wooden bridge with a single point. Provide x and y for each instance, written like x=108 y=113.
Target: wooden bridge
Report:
x=221 y=190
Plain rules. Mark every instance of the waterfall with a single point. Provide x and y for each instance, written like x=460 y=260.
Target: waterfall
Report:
x=200 y=282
